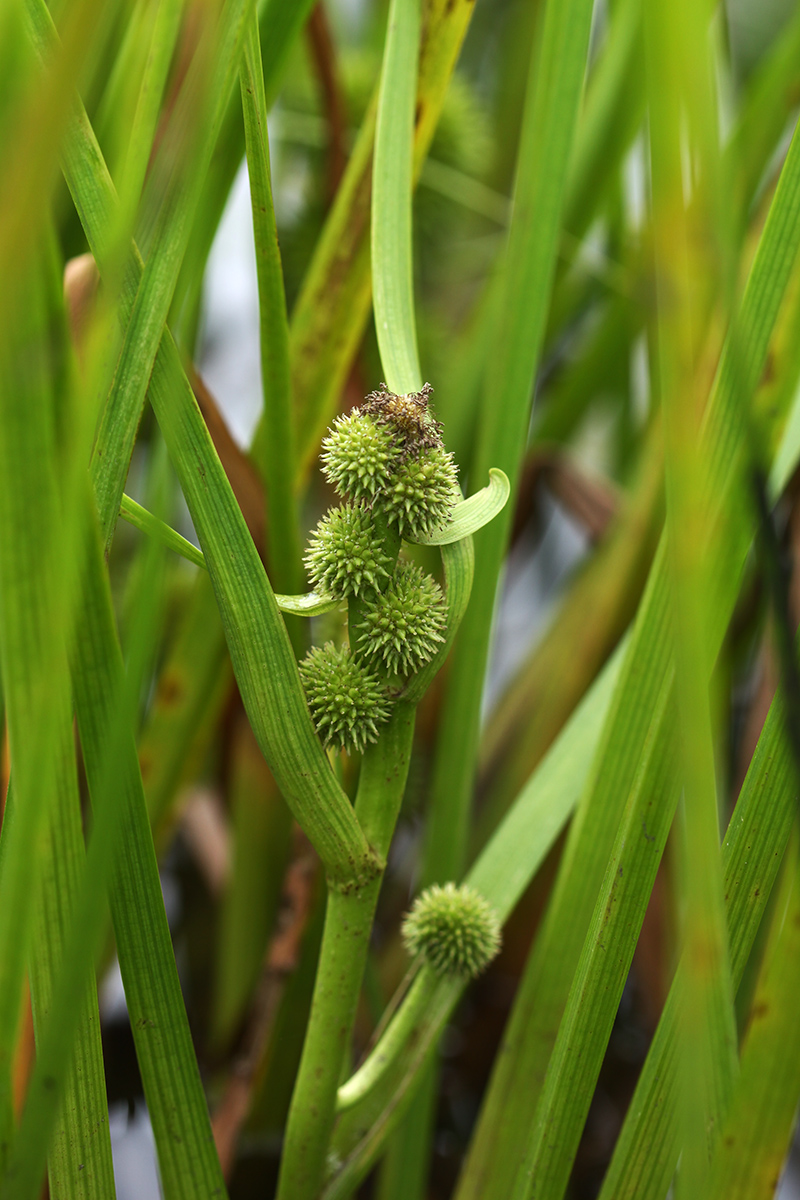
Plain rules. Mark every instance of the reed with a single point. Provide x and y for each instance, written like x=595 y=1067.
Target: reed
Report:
x=527 y=231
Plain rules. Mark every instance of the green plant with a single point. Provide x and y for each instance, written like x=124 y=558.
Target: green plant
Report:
x=453 y=929
x=378 y=814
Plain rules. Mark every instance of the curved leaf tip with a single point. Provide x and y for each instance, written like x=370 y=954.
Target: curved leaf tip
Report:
x=471 y=515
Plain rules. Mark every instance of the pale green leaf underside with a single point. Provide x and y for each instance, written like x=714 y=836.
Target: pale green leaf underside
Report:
x=471 y=515
x=310 y=605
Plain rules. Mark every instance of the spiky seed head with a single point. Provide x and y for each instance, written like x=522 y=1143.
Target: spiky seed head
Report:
x=421 y=495
x=345 y=557
x=408 y=417
x=403 y=626
x=454 y=929
x=357 y=456
x=348 y=704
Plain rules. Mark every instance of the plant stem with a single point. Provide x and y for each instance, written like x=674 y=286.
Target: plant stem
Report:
x=384 y=769
x=392 y=1043
x=345 y=942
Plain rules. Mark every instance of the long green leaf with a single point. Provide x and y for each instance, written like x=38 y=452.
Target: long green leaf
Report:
x=603 y=968
x=553 y=97
x=392 y=255
x=648 y=1147
x=678 y=71
x=599 y=607
x=311 y=604
x=177 y=182
x=142 y=519
x=542 y=996
x=333 y=306
x=767 y=105
x=279 y=26
x=278 y=459
x=756 y=1136
x=260 y=649
x=787 y=454
x=166 y=25
x=187 y=1159
x=79 y=939
x=37 y=587
x=611 y=114
x=471 y=515
x=261 y=653
x=43 y=853
x=33 y=616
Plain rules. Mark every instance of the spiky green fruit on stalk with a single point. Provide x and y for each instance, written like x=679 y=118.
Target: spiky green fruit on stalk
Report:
x=454 y=929
x=357 y=456
x=422 y=493
x=348 y=704
x=404 y=626
x=345 y=555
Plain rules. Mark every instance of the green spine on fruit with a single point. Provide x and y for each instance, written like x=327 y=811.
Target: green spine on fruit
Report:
x=454 y=929
x=347 y=702
x=345 y=557
x=404 y=626
x=357 y=456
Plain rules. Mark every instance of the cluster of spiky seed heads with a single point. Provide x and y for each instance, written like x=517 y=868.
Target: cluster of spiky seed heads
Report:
x=454 y=929
x=387 y=462
x=389 y=455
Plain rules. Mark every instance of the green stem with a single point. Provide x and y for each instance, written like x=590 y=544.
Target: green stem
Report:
x=383 y=779
x=392 y=1044
x=345 y=942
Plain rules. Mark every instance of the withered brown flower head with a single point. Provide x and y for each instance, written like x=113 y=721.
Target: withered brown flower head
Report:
x=408 y=415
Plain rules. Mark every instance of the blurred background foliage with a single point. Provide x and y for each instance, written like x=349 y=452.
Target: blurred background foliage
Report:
x=243 y=889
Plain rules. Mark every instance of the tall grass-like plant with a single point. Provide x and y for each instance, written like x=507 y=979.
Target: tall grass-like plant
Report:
x=545 y=250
